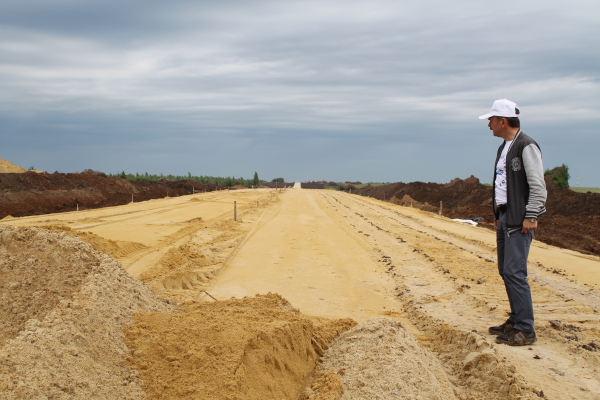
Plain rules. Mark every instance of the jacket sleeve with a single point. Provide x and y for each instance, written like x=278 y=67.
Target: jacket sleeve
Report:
x=534 y=169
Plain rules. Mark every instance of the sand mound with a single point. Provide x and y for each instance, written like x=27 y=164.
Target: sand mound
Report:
x=251 y=348
x=108 y=246
x=62 y=329
x=8 y=167
x=380 y=359
x=324 y=386
x=408 y=201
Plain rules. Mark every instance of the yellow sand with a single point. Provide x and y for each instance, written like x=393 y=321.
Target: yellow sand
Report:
x=7 y=167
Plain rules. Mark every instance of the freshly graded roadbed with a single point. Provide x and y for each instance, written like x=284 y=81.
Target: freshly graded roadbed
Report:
x=335 y=255
x=172 y=244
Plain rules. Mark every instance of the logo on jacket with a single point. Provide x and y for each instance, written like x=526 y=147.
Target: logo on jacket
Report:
x=515 y=164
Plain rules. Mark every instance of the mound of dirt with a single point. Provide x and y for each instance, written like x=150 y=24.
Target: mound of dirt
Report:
x=276 y=185
x=63 y=308
x=110 y=247
x=380 y=359
x=456 y=193
x=312 y=185
x=324 y=386
x=32 y=280
x=408 y=201
x=31 y=193
x=7 y=167
x=252 y=348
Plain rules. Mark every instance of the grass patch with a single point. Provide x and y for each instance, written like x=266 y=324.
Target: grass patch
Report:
x=585 y=189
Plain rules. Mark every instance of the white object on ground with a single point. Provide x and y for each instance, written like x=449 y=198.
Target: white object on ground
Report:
x=297 y=185
x=466 y=220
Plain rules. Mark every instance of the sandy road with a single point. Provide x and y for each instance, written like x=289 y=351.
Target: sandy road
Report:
x=335 y=254
x=160 y=241
x=311 y=259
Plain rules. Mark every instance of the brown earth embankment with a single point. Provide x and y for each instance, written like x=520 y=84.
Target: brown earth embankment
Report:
x=312 y=185
x=572 y=220
x=30 y=193
x=277 y=185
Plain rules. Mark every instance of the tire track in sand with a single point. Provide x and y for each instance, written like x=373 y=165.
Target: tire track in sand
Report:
x=449 y=286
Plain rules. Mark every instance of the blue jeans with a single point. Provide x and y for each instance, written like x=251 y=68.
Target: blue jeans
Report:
x=513 y=250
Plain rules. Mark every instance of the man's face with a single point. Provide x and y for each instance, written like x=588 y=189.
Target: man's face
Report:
x=496 y=125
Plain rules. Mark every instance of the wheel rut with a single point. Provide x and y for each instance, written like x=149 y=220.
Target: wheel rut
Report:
x=451 y=292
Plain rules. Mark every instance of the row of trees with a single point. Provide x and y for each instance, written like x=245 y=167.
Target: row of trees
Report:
x=229 y=181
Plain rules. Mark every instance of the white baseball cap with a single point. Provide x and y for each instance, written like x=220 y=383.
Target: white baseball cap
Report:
x=503 y=108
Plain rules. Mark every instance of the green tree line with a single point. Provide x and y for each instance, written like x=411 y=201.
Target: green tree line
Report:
x=228 y=181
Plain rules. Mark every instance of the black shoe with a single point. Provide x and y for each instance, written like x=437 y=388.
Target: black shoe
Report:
x=517 y=338
x=502 y=329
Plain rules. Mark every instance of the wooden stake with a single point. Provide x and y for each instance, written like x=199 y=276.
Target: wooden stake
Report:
x=210 y=295
x=235 y=211
x=440 y=207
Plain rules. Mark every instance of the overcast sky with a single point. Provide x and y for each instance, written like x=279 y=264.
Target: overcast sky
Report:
x=335 y=90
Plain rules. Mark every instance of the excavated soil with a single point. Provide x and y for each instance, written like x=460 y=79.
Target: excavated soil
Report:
x=252 y=348
x=63 y=308
x=380 y=359
x=87 y=329
x=32 y=193
x=571 y=222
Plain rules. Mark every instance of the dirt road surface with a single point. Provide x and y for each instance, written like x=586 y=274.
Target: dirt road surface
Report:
x=306 y=253
x=337 y=255
x=333 y=254
x=165 y=242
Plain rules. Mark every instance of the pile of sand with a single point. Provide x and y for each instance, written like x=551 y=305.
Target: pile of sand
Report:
x=407 y=201
x=8 y=167
x=380 y=359
x=252 y=348
x=63 y=308
x=108 y=246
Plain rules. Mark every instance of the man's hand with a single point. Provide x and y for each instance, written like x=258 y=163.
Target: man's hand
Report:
x=529 y=226
x=496 y=225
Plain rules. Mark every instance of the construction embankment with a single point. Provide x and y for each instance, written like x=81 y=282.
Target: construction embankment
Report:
x=572 y=220
x=309 y=294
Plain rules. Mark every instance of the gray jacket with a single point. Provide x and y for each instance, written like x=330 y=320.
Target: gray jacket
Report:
x=525 y=186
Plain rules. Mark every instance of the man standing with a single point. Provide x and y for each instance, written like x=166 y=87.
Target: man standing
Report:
x=519 y=199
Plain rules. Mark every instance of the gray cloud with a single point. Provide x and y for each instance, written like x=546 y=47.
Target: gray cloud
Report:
x=379 y=90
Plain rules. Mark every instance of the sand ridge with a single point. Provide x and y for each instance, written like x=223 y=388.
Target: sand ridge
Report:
x=65 y=339
x=252 y=348
x=8 y=167
x=379 y=358
x=175 y=245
